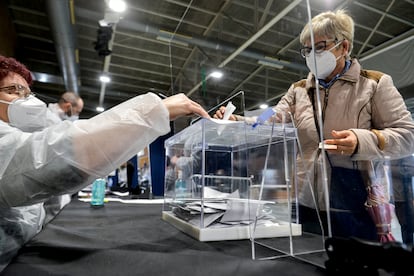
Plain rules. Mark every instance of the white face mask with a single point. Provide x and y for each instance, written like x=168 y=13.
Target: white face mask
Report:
x=27 y=114
x=72 y=118
x=325 y=62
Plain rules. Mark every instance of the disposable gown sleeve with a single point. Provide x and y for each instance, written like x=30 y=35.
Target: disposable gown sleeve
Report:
x=17 y=226
x=68 y=156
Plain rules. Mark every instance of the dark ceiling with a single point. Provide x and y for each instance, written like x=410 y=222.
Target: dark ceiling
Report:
x=170 y=46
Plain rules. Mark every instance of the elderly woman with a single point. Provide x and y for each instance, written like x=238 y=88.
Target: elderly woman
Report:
x=40 y=161
x=362 y=115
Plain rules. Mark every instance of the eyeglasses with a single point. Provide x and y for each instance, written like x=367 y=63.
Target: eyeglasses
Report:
x=319 y=47
x=17 y=89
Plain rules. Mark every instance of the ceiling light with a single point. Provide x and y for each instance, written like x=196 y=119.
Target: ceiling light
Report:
x=216 y=74
x=104 y=79
x=270 y=64
x=264 y=106
x=100 y=108
x=117 y=5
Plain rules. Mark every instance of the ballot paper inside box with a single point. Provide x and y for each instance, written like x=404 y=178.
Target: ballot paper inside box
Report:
x=238 y=181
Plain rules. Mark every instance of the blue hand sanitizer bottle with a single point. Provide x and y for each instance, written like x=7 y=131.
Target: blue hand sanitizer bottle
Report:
x=180 y=186
x=98 y=192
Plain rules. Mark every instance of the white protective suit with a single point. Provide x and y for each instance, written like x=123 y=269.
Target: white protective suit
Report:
x=53 y=114
x=65 y=157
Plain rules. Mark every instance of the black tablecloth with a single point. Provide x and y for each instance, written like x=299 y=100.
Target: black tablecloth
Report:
x=132 y=239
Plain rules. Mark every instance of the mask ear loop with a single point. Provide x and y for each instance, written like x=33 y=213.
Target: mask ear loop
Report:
x=13 y=101
x=336 y=45
x=323 y=152
x=6 y=102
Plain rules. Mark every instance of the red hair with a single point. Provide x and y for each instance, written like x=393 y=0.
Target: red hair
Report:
x=8 y=64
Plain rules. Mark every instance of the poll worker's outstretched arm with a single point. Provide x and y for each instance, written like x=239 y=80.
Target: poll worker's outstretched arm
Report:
x=115 y=136
x=68 y=156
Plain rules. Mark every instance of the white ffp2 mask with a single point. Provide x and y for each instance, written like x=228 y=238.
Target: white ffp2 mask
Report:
x=27 y=114
x=325 y=62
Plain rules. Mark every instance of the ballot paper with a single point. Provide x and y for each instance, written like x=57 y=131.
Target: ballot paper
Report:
x=238 y=211
x=220 y=209
x=212 y=193
x=327 y=146
x=230 y=108
x=223 y=122
x=208 y=219
x=206 y=210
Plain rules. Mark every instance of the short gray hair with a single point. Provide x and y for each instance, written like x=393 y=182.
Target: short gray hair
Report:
x=337 y=24
x=70 y=97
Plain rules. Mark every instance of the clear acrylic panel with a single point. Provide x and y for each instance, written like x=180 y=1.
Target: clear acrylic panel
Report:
x=402 y=175
x=295 y=182
x=235 y=181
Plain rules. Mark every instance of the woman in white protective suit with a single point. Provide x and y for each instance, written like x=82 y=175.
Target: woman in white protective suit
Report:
x=38 y=162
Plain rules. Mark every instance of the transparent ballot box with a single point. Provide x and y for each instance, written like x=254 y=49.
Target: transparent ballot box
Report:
x=229 y=180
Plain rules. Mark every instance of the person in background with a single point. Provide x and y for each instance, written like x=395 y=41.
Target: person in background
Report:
x=122 y=175
x=77 y=110
x=39 y=160
x=170 y=175
x=363 y=115
x=68 y=107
